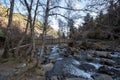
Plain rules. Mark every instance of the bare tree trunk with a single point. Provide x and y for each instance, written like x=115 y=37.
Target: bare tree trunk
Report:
x=33 y=42
x=33 y=25
x=8 y=33
x=29 y=9
x=32 y=36
x=45 y=27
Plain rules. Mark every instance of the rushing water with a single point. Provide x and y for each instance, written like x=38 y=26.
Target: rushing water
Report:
x=76 y=67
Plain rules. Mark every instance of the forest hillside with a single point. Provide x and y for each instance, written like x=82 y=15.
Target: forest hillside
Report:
x=19 y=24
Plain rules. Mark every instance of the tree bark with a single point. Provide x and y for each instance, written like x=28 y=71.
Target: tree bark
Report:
x=8 y=33
x=45 y=27
x=33 y=26
x=29 y=9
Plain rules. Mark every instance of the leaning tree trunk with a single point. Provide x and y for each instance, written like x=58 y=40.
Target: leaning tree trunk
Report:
x=8 y=33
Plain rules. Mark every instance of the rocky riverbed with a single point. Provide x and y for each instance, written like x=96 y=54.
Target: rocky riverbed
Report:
x=65 y=63
x=83 y=65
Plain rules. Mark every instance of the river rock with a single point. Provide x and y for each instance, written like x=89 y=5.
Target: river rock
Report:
x=102 y=54
x=103 y=77
x=116 y=71
x=87 y=67
x=107 y=61
x=77 y=55
x=48 y=67
x=52 y=60
x=74 y=79
x=106 y=70
x=89 y=57
x=53 y=57
x=72 y=51
x=63 y=53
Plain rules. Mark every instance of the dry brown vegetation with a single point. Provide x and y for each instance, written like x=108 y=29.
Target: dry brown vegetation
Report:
x=19 y=22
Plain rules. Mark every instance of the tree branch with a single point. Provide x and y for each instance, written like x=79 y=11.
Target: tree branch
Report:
x=65 y=8
x=35 y=12
x=40 y=4
x=72 y=9
x=59 y=15
x=22 y=2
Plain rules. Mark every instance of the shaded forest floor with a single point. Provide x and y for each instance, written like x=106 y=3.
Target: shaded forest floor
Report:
x=21 y=68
